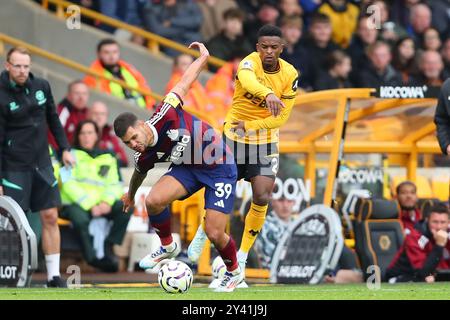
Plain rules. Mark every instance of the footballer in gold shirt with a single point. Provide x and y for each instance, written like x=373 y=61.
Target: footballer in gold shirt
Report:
x=253 y=84
x=265 y=92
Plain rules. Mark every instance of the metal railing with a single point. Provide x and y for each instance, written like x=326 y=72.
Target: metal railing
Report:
x=154 y=41
x=86 y=70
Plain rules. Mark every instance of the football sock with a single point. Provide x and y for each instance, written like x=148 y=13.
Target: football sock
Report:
x=254 y=222
x=161 y=224
x=228 y=255
x=242 y=256
x=52 y=264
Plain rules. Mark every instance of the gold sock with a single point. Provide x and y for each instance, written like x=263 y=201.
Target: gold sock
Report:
x=253 y=225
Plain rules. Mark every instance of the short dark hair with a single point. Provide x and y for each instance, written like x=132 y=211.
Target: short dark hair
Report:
x=123 y=122
x=405 y=183
x=335 y=57
x=379 y=43
x=269 y=30
x=319 y=18
x=80 y=125
x=106 y=42
x=439 y=207
x=234 y=13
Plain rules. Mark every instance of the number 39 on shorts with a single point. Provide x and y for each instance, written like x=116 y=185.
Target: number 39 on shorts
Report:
x=223 y=189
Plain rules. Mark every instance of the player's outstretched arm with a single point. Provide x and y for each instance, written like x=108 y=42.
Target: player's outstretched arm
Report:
x=192 y=72
x=135 y=182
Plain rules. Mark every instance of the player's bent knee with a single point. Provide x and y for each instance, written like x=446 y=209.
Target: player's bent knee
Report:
x=262 y=198
x=155 y=203
x=215 y=235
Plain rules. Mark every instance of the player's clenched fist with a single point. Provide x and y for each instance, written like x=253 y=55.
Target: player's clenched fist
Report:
x=127 y=202
x=274 y=104
x=440 y=237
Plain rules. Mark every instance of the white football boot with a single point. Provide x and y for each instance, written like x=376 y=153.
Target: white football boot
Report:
x=153 y=259
x=230 y=281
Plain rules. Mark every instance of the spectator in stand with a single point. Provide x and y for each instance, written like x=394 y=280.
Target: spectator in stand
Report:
x=231 y=37
x=364 y=36
x=446 y=57
x=339 y=66
x=440 y=16
x=251 y=7
x=318 y=44
x=289 y=8
x=380 y=71
x=424 y=251
x=177 y=20
x=431 y=40
x=196 y=98
x=212 y=11
x=125 y=11
x=404 y=59
x=71 y=110
x=390 y=30
x=88 y=4
x=344 y=17
x=93 y=190
x=220 y=87
x=406 y=193
x=401 y=11
x=111 y=65
x=431 y=68
x=108 y=141
x=309 y=8
x=420 y=20
x=293 y=52
x=267 y=14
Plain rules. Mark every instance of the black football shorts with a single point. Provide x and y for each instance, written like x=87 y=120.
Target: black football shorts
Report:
x=34 y=190
x=255 y=160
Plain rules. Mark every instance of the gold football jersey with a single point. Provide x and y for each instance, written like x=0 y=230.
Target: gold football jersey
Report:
x=252 y=85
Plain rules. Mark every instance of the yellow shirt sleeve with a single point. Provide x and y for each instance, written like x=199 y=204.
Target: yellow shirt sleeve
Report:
x=272 y=122
x=248 y=81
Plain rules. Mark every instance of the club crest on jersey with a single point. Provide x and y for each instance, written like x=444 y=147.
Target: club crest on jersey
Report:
x=173 y=134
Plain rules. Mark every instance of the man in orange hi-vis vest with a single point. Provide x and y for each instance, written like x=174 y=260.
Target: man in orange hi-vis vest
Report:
x=110 y=65
x=197 y=97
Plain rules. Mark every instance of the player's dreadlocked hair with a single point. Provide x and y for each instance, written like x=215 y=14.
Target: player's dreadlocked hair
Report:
x=123 y=122
x=269 y=30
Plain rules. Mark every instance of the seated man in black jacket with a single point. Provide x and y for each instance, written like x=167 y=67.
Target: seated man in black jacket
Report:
x=380 y=71
x=425 y=249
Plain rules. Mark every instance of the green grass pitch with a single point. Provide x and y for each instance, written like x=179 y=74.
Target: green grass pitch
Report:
x=256 y=292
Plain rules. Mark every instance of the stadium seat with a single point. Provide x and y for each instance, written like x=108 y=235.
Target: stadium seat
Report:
x=425 y=205
x=378 y=232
